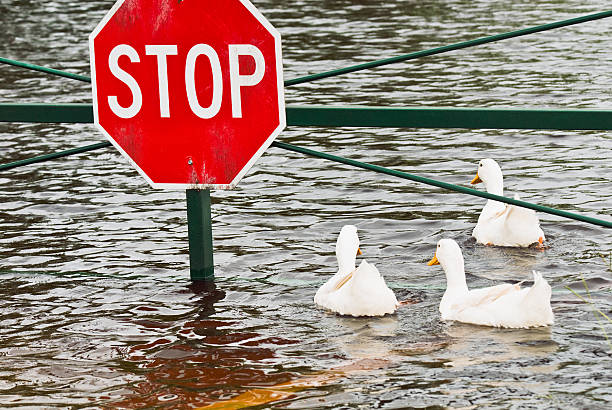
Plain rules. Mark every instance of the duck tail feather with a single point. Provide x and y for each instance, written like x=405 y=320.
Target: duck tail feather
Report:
x=537 y=277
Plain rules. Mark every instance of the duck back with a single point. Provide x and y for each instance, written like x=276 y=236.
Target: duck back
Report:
x=365 y=294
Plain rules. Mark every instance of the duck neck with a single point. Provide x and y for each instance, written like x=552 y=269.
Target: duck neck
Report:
x=456 y=288
x=495 y=184
x=345 y=265
x=455 y=277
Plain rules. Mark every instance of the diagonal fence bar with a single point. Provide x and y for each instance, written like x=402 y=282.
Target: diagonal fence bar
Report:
x=451 y=47
x=440 y=184
x=358 y=164
x=47 y=70
x=377 y=63
x=54 y=155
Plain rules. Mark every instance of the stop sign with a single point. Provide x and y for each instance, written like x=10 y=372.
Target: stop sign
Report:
x=190 y=91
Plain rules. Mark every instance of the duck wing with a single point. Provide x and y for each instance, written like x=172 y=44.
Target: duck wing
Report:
x=365 y=294
x=510 y=225
x=481 y=297
x=518 y=214
x=518 y=308
x=334 y=283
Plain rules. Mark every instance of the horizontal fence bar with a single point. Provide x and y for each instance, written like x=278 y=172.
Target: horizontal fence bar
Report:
x=451 y=117
x=359 y=116
x=358 y=164
x=377 y=63
x=440 y=184
x=47 y=113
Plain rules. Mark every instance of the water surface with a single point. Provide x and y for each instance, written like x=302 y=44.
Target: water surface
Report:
x=95 y=302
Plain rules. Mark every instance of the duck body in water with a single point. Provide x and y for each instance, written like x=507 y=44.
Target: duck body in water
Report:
x=503 y=224
x=506 y=305
x=355 y=291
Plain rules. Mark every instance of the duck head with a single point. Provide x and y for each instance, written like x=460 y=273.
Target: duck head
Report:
x=490 y=174
x=347 y=248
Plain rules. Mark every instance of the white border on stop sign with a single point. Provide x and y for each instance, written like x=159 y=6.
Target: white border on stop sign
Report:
x=281 y=103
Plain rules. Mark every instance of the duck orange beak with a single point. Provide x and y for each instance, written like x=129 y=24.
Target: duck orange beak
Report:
x=476 y=180
x=433 y=261
x=359 y=251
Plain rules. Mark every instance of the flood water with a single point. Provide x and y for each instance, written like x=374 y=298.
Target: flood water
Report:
x=96 y=307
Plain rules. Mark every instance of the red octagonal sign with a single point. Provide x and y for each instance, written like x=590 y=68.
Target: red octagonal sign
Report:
x=190 y=91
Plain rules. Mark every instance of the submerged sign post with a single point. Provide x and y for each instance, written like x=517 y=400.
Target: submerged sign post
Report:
x=191 y=93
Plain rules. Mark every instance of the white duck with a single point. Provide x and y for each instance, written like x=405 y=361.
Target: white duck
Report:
x=500 y=306
x=354 y=291
x=503 y=224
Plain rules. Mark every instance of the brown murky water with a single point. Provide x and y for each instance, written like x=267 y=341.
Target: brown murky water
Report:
x=95 y=306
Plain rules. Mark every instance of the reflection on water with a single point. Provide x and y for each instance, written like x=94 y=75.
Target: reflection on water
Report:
x=208 y=356
x=95 y=305
x=495 y=345
x=365 y=339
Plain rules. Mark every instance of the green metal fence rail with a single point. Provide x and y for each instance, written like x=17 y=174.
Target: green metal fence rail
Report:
x=54 y=155
x=46 y=113
x=361 y=116
x=450 y=117
x=358 y=164
x=378 y=63
x=452 y=47
x=440 y=184
x=47 y=70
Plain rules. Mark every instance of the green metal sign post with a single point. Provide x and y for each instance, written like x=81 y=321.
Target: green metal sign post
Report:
x=199 y=226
